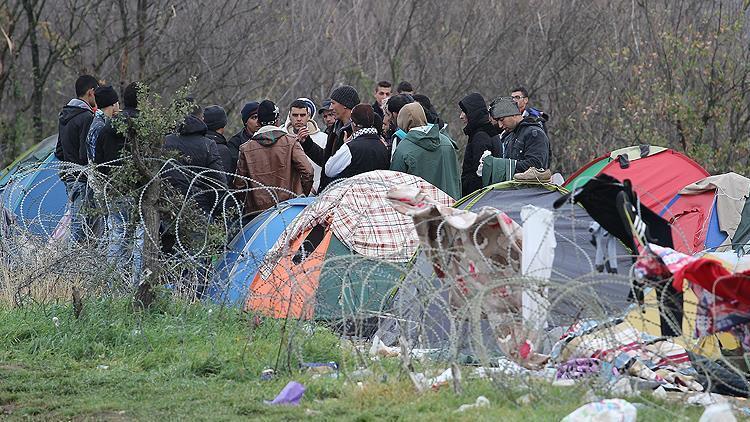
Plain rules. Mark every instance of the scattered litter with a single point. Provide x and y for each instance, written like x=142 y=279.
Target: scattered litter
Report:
x=604 y=410
x=361 y=385
x=267 y=374
x=721 y=412
x=290 y=395
x=706 y=399
x=482 y=401
x=102 y=367
x=578 y=368
x=379 y=349
x=563 y=383
x=525 y=400
x=441 y=380
x=660 y=393
x=624 y=388
x=319 y=369
x=311 y=412
x=56 y=321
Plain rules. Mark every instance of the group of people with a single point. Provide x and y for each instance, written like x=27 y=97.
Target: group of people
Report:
x=273 y=158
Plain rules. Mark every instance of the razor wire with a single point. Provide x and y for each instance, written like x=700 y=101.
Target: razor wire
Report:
x=393 y=316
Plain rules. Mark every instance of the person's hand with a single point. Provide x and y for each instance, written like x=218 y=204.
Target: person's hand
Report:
x=302 y=134
x=481 y=162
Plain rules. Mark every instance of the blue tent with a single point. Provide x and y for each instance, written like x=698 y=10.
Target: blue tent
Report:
x=31 y=190
x=235 y=270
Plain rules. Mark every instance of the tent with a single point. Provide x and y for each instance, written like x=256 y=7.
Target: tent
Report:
x=32 y=191
x=657 y=173
x=710 y=213
x=577 y=291
x=236 y=269
x=343 y=254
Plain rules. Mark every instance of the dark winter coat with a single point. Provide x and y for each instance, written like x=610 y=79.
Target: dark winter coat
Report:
x=366 y=152
x=320 y=155
x=73 y=127
x=110 y=143
x=528 y=144
x=482 y=135
x=196 y=154
x=235 y=142
x=227 y=161
x=378 y=109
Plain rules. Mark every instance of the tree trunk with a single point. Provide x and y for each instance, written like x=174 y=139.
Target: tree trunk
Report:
x=37 y=84
x=144 y=296
x=125 y=55
x=141 y=28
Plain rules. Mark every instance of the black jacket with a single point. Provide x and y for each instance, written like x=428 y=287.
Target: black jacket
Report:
x=234 y=144
x=482 y=135
x=110 y=144
x=196 y=154
x=320 y=155
x=378 y=109
x=528 y=144
x=227 y=161
x=73 y=126
x=368 y=153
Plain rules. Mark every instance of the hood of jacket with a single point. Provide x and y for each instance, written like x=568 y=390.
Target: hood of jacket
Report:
x=477 y=116
x=216 y=137
x=193 y=126
x=426 y=137
x=73 y=109
x=528 y=121
x=268 y=135
x=411 y=116
x=312 y=127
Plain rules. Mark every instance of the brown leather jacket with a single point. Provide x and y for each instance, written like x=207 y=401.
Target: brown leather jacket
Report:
x=276 y=160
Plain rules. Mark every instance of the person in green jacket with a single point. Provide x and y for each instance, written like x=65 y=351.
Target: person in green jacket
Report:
x=426 y=152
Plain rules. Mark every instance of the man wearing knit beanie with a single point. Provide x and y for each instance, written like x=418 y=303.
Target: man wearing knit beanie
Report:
x=108 y=104
x=343 y=100
x=215 y=119
x=250 y=125
x=272 y=166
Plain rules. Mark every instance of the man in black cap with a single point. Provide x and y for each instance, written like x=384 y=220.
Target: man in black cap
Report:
x=216 y=119
x=343 y=100
x=250 y=125
x=109 y=104
x=328 y=115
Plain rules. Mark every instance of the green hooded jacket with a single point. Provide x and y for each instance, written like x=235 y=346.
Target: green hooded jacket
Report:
x=431 y=155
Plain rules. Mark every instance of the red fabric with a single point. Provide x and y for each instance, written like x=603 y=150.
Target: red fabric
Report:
x=658 y=178
x=713 y=277
x=689 y=217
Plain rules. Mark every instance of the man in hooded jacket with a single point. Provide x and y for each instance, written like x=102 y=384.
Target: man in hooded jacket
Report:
x=197 y=154
x=301 y=125
x=482 y=135
x=216 y=120
x=426 y=152
x=272 y=164
x=364 y=151
x=524 y=138
x=249 y=114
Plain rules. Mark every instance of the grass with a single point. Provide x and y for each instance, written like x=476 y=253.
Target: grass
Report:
x=183 y=361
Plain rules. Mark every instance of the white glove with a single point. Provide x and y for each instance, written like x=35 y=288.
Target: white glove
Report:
x=481 y=162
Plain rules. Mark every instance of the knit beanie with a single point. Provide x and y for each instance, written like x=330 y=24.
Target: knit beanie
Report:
x=310 y=104
x=363 y=115
x=105 y=96
x=248 y=110
x=345 y=95
x=503 y=107
x=268 y=113
x=411 y=116
x=215 y=117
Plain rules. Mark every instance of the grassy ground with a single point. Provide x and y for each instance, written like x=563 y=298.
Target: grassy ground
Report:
x=191 y=362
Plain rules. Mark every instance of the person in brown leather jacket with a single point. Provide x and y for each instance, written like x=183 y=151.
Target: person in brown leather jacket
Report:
x=272 y=165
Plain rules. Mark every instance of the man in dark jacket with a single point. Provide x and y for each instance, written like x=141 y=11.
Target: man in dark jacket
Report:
x=250 y=125
x=111 y=142
x=520 y=96
x=364 y=151
x=382 y=93
x=482 y=137
x=216 y=119
x=343 y=100
x=199 y=164
x=523 y=139
x=74 y=122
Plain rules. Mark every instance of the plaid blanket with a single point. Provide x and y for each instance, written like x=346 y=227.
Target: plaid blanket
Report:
x=361 y=217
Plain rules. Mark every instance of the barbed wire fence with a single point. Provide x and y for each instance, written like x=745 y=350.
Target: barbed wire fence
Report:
x=457 y=310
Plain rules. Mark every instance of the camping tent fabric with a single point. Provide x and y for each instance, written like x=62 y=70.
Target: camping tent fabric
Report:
x=31 y=190
x=342 y=253
x=656 y=176
x=235 y=270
